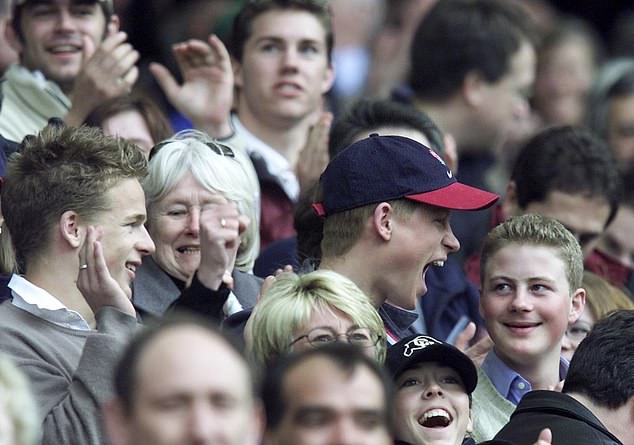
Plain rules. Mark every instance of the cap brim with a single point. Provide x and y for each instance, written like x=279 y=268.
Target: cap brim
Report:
x=446 y=356
x=457 y=196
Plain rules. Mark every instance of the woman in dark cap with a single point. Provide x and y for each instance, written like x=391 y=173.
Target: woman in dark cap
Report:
x=434 y=382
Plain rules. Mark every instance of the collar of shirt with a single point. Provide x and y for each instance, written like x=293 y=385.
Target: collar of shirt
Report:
x=397 y=322
x=232 y=305
x=35 y=300
x=32 y=83
x=508 y=382
x=275 y=163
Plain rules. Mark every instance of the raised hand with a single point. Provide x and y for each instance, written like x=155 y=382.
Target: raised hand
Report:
x=464 y=337
x=108 y=71
x=269 y=280
x=478 y=351
x=220 y=228
x=314 y=156
x=94 y=280
x=206 y=94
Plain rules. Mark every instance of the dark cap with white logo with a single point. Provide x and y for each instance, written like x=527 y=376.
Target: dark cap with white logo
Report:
x=416 y=349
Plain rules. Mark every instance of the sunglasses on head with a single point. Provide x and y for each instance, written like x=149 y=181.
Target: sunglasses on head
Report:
x=216 y=147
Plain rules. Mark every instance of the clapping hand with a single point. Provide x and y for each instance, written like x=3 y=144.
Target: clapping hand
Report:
x=206 y=94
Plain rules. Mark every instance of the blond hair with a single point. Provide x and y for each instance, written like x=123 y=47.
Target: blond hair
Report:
x=603 y=298
x=60 y=169
x=537 y=230
x=292 y=300
x=342 y=230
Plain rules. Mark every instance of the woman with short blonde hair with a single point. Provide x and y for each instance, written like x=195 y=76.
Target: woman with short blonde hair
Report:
x=301 y=311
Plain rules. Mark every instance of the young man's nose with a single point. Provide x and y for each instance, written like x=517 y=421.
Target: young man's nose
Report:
x=521 y=300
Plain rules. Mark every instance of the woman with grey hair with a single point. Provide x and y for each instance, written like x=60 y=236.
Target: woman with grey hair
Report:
x=202 y=217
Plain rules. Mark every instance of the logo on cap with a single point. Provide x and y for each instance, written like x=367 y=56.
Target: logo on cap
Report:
x=420 y=342
x=439 y=159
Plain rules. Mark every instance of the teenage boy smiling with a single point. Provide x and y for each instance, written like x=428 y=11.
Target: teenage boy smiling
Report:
x=531 y=270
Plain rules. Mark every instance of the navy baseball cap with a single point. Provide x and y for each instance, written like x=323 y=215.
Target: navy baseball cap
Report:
x=384 y=168
x=416 y=349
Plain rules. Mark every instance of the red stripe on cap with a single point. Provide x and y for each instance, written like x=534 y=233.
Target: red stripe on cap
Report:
x=457 y=196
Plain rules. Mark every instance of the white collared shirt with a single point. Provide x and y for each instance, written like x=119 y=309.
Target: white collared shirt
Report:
x=35 y=300
x=276 y=164
x=232 y=305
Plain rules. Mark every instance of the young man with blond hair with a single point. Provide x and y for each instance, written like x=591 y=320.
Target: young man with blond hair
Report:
x=75 y=209
x=531 y=274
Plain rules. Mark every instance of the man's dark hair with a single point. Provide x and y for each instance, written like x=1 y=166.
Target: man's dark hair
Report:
x=106 y=7
x=346 y=357
x=367 y=114
x=309 y=228
x=601 y=368
x=254 y=8
x=125 y=373
x=617 y=85
x=461 y=36
x=569 y=160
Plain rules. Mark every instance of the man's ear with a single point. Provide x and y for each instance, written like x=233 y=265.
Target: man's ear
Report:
x=473 y=89
x=116 y=423
x=329 y=78
x=383 y=220
x=113 y=25
x=577 y=306
x=71 y=230
x=509 y=204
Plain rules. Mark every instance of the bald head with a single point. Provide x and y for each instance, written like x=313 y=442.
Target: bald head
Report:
x=189 y=385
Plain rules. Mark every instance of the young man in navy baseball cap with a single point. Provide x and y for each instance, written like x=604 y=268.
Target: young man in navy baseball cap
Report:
x=386 y=202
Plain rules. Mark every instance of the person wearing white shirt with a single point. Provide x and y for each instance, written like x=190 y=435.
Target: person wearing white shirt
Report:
x=75 y=209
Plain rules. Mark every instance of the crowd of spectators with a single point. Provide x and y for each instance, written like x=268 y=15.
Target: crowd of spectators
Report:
x=304 y=222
